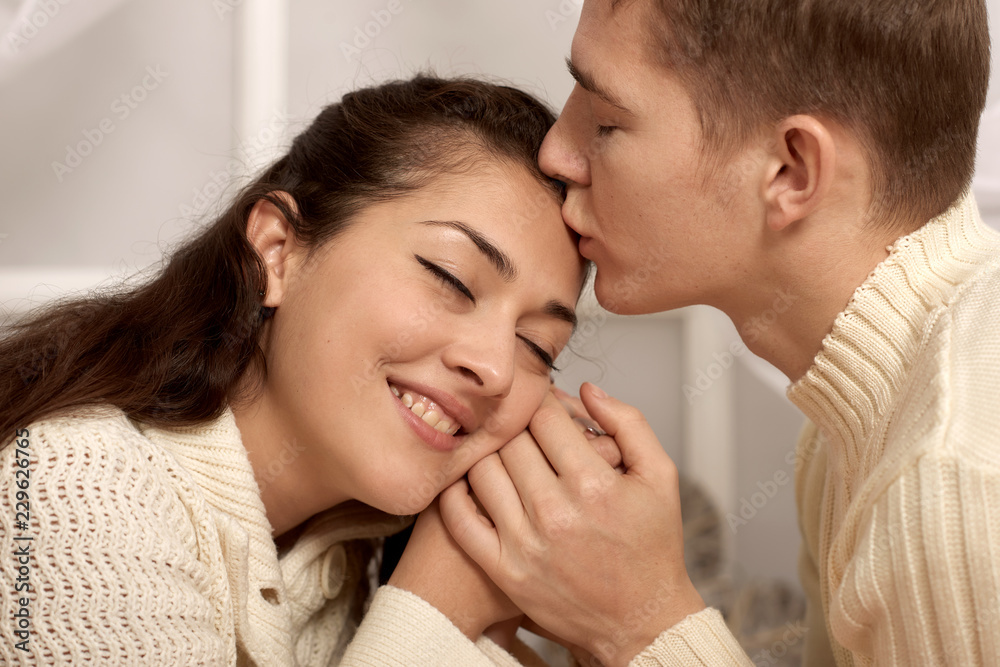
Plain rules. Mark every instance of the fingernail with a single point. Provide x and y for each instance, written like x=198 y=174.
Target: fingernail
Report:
x=597 y=391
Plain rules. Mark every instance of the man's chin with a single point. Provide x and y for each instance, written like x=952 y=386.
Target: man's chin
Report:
x=624 y=295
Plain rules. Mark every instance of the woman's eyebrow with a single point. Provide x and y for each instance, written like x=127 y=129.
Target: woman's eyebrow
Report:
x=504 y=266
x=498 y=258
x=560 y=311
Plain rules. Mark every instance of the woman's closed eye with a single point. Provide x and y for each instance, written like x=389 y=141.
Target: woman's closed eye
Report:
x=540 y=353
x=449 y=279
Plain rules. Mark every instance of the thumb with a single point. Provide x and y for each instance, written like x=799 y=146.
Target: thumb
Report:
x=640 y=448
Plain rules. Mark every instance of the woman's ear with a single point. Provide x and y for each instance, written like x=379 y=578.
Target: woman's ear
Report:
x=803 y=162
x=273 y=236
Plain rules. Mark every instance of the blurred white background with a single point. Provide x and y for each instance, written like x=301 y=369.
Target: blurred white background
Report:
x=125 y=123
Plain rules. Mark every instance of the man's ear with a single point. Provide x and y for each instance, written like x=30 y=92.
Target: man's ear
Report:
x=273 y=236
x=801 y=170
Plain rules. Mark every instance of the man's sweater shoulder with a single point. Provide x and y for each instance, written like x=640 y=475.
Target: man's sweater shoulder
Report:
x=973 y=368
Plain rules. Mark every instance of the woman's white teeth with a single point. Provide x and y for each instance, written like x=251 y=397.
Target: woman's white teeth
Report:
x=426 y=410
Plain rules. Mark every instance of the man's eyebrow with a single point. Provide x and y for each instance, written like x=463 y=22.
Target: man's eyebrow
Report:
x=498 y=258
x=587 y=82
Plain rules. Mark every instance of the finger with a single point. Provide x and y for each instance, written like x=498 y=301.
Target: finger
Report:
x=573 y=405
x=606 y=446
x=588 y=426
x=467 y=527
x=496 y=492
x=527 y=466
x=640 y=448
x=560 y=440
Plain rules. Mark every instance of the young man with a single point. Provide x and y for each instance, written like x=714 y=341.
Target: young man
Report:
x=724 y=152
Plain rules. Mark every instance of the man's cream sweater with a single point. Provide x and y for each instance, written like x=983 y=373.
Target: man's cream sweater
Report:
x=898 y=469
x=150 y=546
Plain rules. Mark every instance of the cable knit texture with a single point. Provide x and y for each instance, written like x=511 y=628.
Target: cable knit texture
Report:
x=898 y=469
x=151 y=546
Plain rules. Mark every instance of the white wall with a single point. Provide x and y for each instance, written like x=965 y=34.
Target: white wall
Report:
x=224 y=95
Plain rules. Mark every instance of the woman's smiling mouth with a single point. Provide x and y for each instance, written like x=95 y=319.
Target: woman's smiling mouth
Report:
x=430 y=412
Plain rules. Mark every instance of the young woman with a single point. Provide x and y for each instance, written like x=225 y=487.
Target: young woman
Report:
x=196 y=471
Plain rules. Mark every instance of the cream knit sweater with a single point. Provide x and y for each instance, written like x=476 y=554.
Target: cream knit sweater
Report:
x=898 y=469
x=151 y=547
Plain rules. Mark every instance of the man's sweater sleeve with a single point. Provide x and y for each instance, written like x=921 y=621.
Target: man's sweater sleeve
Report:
x=700 y=639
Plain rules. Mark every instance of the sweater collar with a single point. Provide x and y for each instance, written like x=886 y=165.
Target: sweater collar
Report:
x=867 y=355
x=213 y=453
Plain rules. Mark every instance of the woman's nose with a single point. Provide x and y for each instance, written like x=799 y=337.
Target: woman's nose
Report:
x=564 y=152
x=486 y=358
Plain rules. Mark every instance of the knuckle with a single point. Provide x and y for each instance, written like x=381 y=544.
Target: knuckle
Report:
x=548 y=414
x=592 y=487
x=631 y=415
x=555 y=517
x=608 y=450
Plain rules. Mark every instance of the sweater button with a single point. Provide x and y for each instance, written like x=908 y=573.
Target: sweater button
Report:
x=334 y=571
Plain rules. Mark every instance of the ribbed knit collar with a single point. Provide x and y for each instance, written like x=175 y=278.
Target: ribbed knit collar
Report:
x=214 y=454
x=867 y=355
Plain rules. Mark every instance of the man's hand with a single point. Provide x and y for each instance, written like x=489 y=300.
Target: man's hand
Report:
x=592 y=555
x=436 y=569
x=606 y=447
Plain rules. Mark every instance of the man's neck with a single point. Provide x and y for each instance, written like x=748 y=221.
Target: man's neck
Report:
x=784 y=315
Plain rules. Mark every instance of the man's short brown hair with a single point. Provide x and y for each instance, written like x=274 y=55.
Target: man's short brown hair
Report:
x=907 y=77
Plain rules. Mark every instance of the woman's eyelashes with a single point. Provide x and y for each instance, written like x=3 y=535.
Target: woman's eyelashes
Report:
x=540 y=353
x=449 y=279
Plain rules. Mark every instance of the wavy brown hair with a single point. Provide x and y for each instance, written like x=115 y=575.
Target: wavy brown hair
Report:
x=174 y=349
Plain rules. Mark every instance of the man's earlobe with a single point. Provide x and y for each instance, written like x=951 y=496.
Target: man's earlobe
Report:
x=802 y=170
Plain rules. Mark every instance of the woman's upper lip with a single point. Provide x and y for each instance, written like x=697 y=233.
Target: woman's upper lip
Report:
x=456 y=408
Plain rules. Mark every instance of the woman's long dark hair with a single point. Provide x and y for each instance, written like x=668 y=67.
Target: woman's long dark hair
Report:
x=173 y=350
